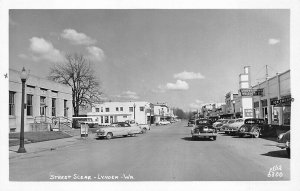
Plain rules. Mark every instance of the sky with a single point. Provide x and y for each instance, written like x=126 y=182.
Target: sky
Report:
x=182 y=57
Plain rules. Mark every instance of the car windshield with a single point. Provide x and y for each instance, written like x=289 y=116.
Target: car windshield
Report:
x=225 y=121
x=239 y=120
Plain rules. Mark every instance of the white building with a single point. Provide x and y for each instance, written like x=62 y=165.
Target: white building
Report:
x=162 y=112
x=44 y=100
x=110 y=112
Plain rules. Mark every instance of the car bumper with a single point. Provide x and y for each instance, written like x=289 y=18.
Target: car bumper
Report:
x=283 y=145
x=101 y=134
x=204 y=134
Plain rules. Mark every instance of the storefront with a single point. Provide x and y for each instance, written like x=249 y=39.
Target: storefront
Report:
x=274 y=105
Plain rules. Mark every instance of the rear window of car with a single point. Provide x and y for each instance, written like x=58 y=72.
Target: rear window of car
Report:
x=202 y=122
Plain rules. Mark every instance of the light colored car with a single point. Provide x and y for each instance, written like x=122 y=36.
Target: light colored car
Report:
x=226 y=126
x=165 y=122
x=144 y=127
x=219 y=121
x=284 y=142
x=233 y=128
x=118 y=129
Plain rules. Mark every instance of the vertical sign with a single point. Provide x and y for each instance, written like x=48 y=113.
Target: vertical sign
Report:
x=84 y=130
x=248 y=113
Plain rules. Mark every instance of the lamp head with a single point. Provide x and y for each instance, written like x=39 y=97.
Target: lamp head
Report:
x=23 y=74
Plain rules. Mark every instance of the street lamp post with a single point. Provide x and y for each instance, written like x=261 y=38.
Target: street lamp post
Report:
x=23 y=77
x=233 y=103
x=134 y=111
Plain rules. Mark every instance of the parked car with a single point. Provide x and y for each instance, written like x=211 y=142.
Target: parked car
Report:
x=77 y=121
x=191 y=122
x=254 y=127
x=219 y=121
x=204 y=129
x=225 y=127
x=165 y=122
x=284 y=142
x=232 y=128
x=219 y=126
x=143 y=127
x=118 y=129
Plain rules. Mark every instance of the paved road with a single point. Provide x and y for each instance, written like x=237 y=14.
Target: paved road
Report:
x=165 y=153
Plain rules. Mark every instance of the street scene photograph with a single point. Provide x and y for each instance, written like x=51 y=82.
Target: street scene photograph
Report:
x=149 y=95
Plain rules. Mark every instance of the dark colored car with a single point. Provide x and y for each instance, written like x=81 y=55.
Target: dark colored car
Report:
x=284 y=142
x=255 y=128
x=191 y=122
x=204 y=129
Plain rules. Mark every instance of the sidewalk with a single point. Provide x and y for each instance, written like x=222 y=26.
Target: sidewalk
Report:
x=46 y=146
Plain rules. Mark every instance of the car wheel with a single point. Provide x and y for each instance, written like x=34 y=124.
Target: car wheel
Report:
x=215 y=138
x=288 y=150
x=125 y=135
x=109 y=136
x=144 y=130
x=256 y=133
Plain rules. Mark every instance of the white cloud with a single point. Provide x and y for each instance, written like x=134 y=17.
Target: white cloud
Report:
x=196 y=105
x=77 y=38
x=188 y=75
x=128 y=95
x=179 y=85
x=273 y=41
x=95 y=53
x=23 y=56
x=43 y=50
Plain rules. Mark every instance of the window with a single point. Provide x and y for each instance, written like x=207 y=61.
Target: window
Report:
x=42 y=105
x=29 y=105
x=111 y=119
x=124 y=116
x=65 y=108
x=106 y=119
x=286 y=115
x=141 y=108
x=117 y=109
x=121 y=108
x=53 y=107
x=101 y=109
x=101 y=119
x=11 y=103
x=130 y=109
x=107 y=109
x=97 y=109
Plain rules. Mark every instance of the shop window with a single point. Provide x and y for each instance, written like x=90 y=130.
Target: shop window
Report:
x=106 y=119
x=29 y=105
x=130 y=109
x=12 y=103
x=124 y=116
x=275 y=115
x=53 y=107
x=42 y=105
x=286 y=115
x=97 y=109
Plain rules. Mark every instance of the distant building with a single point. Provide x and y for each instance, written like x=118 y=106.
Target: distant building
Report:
x=162 y=112
x=110 y=112
x=212 y=109
x=44 y=100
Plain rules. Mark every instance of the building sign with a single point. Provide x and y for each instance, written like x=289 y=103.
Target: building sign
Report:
x=248 y=113
x=84 y=129
x=251 y=92
x=282 y=101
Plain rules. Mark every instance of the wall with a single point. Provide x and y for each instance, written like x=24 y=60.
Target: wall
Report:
x=33 y=86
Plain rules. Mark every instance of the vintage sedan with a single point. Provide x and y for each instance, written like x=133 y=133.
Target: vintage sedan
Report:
x=118 y=129
x=204 y=129
x=163 y=122
x=191 y=122
x=219 y=126
x=232 y=128
x=143 y=127
x=254 y=127
x=225 y=127
x=284 y=142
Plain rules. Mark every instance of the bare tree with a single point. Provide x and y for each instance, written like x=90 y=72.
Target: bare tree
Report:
x=77 y=73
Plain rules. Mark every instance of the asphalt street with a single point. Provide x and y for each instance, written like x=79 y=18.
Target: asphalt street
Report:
x=166 y=153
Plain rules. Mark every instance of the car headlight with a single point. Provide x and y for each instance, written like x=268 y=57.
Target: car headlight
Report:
x=287 y=144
